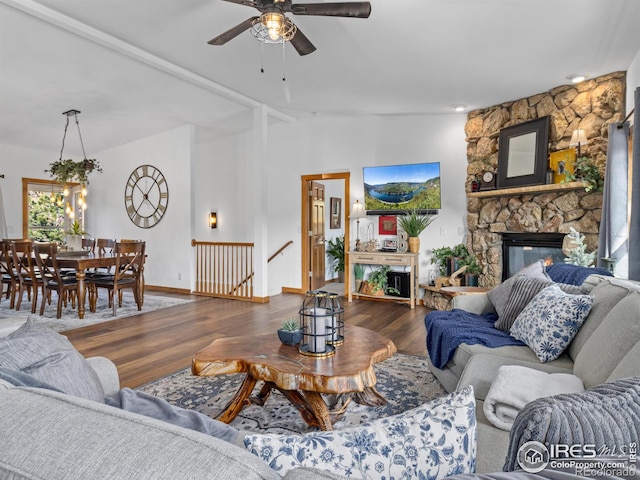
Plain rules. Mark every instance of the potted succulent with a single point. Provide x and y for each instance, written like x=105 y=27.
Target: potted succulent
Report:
x=289 y=333
x=378 y=283
x=335 y=249
x=414 y=223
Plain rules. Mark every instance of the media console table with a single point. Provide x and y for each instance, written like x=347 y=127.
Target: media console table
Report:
x=386 y=258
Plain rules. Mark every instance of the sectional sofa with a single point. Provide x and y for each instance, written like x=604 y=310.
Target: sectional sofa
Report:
x=605 y=348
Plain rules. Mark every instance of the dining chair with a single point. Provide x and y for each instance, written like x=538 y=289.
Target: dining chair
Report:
x=6 y=270
x=27 y=273
x=105 y=245
x=89 y=244
x=127 y=274
x=54 y=279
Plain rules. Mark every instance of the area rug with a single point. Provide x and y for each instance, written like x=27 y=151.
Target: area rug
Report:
x=70 y=320
x=404 y=380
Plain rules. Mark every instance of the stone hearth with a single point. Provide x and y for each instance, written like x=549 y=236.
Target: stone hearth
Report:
x=590 y=105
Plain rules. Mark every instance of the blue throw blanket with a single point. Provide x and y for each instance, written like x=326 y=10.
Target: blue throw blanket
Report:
x=573 y=274
x=448 y=329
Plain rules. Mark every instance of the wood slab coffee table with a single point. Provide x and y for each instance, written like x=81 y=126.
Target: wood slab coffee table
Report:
x=315 y=386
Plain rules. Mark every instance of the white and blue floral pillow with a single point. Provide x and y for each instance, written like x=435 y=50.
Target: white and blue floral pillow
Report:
x=550 y=321
x=433 y=441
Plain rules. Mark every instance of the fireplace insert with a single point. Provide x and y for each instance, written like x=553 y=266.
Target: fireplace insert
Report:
x=522 y=249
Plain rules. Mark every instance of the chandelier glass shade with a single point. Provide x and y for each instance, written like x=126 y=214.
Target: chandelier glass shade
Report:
x=273 y=27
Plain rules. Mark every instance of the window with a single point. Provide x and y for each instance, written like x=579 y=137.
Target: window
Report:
x=47 y=214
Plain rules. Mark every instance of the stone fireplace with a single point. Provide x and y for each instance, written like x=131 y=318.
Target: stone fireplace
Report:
x=544 y=209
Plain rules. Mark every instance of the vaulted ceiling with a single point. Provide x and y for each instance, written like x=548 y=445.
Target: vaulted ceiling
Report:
x=135 y=68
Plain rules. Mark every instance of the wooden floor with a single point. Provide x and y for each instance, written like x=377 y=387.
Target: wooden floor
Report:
x=152 y=345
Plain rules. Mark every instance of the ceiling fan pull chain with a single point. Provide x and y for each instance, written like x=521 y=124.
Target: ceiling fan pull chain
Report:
x=262 y=58
x=284 y=77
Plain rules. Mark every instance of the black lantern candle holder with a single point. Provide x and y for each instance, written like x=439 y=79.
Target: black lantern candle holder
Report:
x=316 y=322
x=336 y=322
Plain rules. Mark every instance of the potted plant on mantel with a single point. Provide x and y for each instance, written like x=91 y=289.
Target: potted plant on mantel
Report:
x=414 y=224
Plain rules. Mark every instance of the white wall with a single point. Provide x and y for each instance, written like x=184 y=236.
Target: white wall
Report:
x=324 y=145
x=168 y=243
x=213 y=176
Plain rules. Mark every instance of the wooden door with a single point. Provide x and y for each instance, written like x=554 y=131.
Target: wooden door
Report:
x=316 y=235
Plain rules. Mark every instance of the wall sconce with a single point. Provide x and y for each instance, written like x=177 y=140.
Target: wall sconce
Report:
x=213 y=220
x=578 y=137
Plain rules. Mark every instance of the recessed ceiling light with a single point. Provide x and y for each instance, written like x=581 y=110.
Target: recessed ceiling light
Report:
x=577 y=77
x=459 y=108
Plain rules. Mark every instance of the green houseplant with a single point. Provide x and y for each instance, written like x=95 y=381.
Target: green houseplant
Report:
x=379 y=283
x=358 y=274
x=289 y=333
x=588 y=172
x=414 y=224
x=474 y=269
x=65 y=171
x=335 y=249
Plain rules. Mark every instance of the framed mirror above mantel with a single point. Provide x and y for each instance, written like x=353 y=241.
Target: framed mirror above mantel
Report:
x=523 y=154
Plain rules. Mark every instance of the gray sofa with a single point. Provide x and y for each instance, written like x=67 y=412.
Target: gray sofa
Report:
x=606 y=348
x=50 y=435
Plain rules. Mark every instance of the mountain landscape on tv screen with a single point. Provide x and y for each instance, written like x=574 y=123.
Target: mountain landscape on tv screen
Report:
x=403 y=195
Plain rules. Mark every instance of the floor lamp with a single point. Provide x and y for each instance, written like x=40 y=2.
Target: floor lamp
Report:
x=357 y=212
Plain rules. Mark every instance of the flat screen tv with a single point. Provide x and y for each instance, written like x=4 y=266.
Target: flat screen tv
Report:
x=394 y=189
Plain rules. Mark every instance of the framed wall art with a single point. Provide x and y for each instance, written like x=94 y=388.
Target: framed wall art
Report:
x=523 y=153
x=336 y=213
x=387 y=225
x=562 y=163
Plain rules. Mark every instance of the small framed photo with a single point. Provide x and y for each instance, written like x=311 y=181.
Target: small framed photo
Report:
x=388 y=225
x=390 y=245
x=336 y=213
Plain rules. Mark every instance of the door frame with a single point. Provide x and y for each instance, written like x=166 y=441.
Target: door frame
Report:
x=304 y=196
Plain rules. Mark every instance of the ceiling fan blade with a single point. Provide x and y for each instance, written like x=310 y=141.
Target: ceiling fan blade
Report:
x=302 y=44
x=232 y=32
x=341 y=9
x=248 y=3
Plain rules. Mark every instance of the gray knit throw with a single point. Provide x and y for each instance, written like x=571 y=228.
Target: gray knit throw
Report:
x=605 y=415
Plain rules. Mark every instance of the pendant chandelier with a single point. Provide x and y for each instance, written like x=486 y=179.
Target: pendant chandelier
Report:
x=67 y=171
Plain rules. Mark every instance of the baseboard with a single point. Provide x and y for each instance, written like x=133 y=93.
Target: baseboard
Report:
x=292 y=290
x=260 y=299
x=159 y=288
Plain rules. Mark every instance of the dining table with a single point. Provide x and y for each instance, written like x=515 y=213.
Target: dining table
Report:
x=81 y=261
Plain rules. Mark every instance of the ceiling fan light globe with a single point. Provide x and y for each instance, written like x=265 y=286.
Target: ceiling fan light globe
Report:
x=273 y=21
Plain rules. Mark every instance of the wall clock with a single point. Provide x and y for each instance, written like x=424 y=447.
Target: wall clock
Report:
x=146 y=196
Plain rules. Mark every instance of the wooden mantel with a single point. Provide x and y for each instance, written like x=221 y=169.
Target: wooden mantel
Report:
x=529 y=190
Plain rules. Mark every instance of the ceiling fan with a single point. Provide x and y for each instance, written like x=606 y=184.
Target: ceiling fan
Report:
x=273 y=26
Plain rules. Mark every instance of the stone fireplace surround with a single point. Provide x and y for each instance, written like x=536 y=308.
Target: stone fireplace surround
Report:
x=590 y=105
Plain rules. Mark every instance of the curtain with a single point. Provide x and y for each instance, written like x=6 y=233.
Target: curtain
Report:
x=634 y=218
x=613 y=225
x=3 y=220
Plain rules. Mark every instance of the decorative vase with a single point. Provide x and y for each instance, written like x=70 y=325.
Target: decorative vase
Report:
x=74 y=242
x=414 y=244
x=290 y=338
